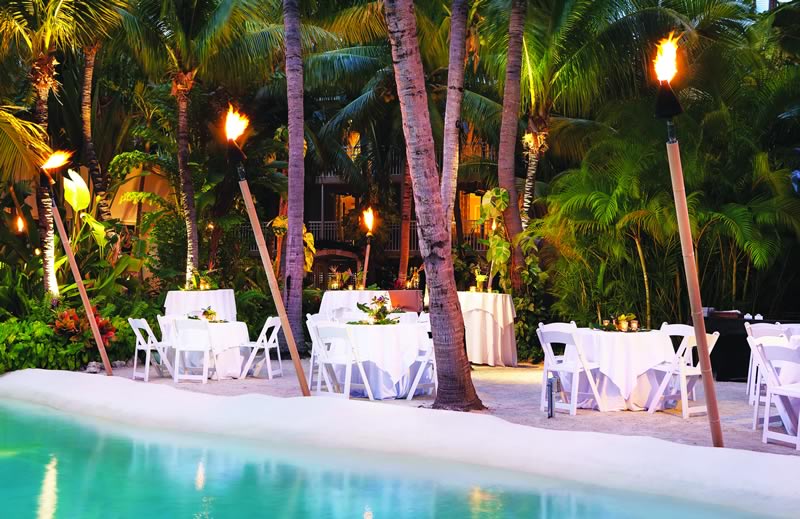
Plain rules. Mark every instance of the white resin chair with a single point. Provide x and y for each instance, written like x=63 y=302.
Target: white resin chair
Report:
x=191 y=335
x=560 y=365
x=754 y=381
x=311 y=322
x=336 y=349
x=267 y=340
x=774 y=355
x=682 y=369
x=146 y=341
x=426 y=359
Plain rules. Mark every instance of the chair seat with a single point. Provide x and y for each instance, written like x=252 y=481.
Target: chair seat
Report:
x=571 y=365
x=790 y=390
x=153 y=346
x=255 y=344
x=689 y=371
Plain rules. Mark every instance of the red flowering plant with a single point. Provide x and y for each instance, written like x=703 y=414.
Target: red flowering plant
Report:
x=75 y=327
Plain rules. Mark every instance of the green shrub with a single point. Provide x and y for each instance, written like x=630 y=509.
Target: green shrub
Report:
x=33 y=344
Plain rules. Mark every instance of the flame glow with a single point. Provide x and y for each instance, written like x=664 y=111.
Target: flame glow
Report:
x=57 y=159
x=527 y=139
x=666 y=62
x=369 y=219
x=20 y=224
x=235 y=124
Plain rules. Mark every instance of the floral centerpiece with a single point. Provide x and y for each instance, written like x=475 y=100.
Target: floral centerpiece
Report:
x=209 y=314
x=624 y=322
x=378 y=312
x=480 y=279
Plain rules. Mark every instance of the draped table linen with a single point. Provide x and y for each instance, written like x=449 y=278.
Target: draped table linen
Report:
x=226 y=355
x=388 y=354
x=489 y=328
x=191 y=302
x=625 y=380
x=345 y=300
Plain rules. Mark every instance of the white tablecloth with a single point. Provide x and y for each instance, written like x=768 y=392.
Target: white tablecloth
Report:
x=792 y=330
x=489 y=328
x=388 y=353
x=227 y=357
x=191 y=302
x=333 y=300
x=625 y=360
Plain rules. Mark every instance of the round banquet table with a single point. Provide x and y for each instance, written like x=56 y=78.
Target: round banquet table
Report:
x=624 y=380
x=226 y=358
x=333 y=300
x=489 y=328
x=388 y=354
x=192 y=302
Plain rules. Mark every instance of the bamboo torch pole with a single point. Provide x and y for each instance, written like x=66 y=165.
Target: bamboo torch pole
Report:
x=369 y=221
x=667 y=107
x=235 y=125
x=57 y=160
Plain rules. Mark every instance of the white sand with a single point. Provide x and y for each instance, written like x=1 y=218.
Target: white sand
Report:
x=758 y=482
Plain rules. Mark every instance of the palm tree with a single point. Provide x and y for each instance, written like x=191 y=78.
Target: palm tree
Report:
x=217 y=39
x=295 y=256
x=455 y=95
x=506 y=151
x=36 y=30
x=22 y=145
x=406 y=193
x=455 y=384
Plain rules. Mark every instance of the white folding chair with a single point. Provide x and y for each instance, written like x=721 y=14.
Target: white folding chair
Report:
x=406 y=317
x=311 y=322
x=337 y=350
x=267 y=340
x=754 y=382
x=148 y=343
x=682 y=369
x=775 y=356
x=566 y=334
x=191 y=335
x=426 y=358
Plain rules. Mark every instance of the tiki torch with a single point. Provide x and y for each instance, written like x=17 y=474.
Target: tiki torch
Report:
x=235 y=125
x=54 y=162
x=667 y=107
x=369 y=221
x=19 y=220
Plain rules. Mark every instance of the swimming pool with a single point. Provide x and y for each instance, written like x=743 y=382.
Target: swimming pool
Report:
x=52 y=466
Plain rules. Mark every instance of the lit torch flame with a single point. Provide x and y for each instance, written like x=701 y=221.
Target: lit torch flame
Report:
x=369 y=219
x=20 y=224
x=56 y=160
x=666 y=62
x=235 y=124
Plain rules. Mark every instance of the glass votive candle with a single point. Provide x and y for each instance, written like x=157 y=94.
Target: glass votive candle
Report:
x=473 y=288
x=634 y=325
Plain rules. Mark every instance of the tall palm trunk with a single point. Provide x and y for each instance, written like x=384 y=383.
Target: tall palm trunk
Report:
x=405 y=226
x=295 y=256
x=455 y=95
x=645 y=278
x=99 y=178
x=181 y=86
x=43 y=78
x=455 y=384
x=535 y=146
x=508 y=133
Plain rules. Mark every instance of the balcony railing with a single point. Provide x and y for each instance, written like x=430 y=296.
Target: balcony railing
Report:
x=326 y=231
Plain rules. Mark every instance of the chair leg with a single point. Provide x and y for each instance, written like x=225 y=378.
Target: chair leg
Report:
x=749 y=376
x=364 y=378
x=656 y=400
x=573 y=397
x=756 y=407
x=135 y=360
x=177 y=367
x=423 y=366
x=348 y=375
x=268 y=360
x=543 y=396
x=595 y=391
x=205 y=368
x=311 y=368
x=684 y=397
x=147 y=365
x=249 y=363
x=280 y=361
x=767 y=411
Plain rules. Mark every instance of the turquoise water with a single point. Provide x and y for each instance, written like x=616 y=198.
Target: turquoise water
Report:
x=54 y=467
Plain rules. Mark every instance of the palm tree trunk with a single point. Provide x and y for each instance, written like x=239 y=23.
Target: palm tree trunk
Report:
x=181 y=87
x=645 y=278
x=535 y=146
x=99 y=178
x=44 y=202
x=508 y=134
x=456 y=390
x=405 y=226
x=455 y=95
x=295 y=256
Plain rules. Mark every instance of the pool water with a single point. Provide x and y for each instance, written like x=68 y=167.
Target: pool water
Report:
x=52 y=466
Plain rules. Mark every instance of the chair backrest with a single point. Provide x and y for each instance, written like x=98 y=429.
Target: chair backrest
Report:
x=677 y=330
x=274 y=323
x=192 y=334
x=774 y=354
x=424 y=317
x=335 y=342
x=689 y=344
x=167 y=326
x=556 y=333
x=139 y=326
x=763 y=329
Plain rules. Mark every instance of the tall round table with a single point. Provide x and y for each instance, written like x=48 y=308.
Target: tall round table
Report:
x=345 y=300
x=489 y=328
x=226 y=339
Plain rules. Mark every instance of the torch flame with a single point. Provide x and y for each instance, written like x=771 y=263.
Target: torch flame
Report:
x=57 y=159
x=235 y=124
x=527 y=139
x=369 y=219
x=20 y=224
x=666 y=62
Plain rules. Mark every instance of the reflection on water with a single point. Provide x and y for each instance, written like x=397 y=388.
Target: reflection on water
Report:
x=91 y=472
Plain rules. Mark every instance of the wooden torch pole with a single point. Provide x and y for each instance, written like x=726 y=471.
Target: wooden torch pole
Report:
x=693 y=284
x=273 y=282
x=76 y=273
x=366 y=261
